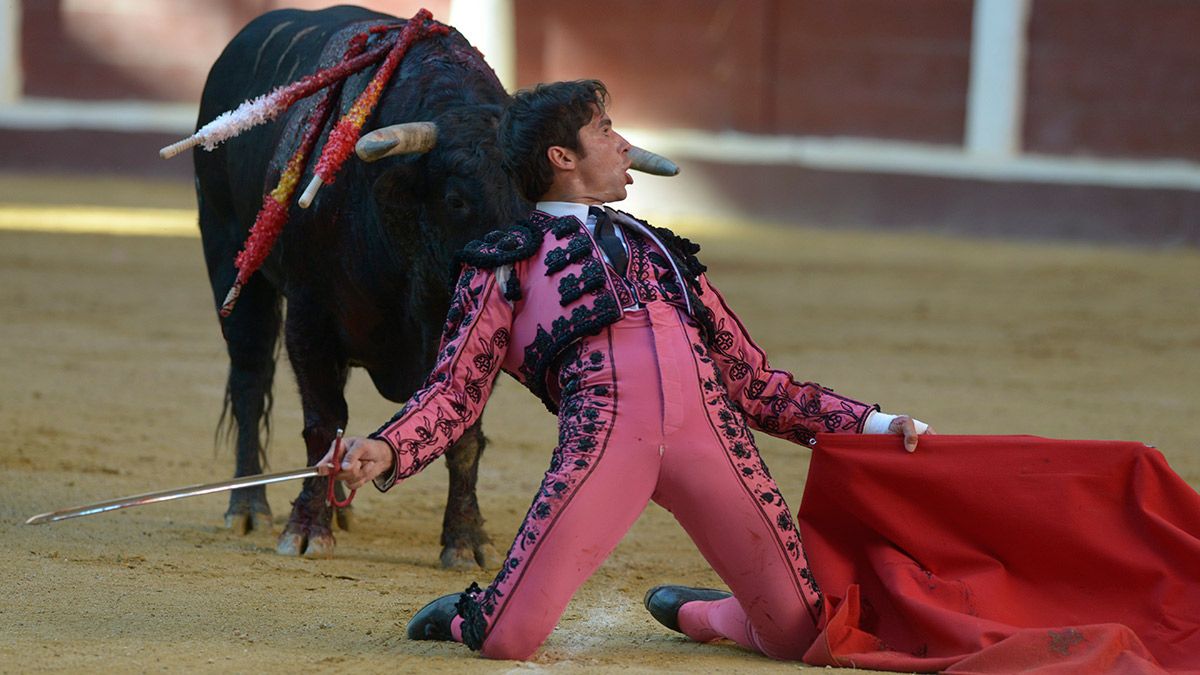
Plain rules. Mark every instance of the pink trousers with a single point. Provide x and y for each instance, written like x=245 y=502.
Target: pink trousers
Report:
x=644 y=416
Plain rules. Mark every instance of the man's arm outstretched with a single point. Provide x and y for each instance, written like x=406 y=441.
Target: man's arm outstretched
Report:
x=474 y=341
x=774 y=402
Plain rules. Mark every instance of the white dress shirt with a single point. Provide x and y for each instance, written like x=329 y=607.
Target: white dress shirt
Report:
x=580 y=211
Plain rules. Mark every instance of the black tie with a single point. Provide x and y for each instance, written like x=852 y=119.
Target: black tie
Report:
x=606 y=236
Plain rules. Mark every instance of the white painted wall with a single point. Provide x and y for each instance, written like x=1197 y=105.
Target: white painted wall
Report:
x=992 y=145
x=489 y=25
x=10 y=51
x=996 y=94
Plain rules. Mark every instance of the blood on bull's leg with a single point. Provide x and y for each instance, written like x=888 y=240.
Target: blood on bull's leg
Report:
x=464 y=543
x=309 y=528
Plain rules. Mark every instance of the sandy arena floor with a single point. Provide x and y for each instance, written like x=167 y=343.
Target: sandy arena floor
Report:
x=112 y=381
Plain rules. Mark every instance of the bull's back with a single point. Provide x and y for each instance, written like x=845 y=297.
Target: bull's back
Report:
x=274 y=49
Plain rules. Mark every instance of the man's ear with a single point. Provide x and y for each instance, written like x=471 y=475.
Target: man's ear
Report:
x=561 y=158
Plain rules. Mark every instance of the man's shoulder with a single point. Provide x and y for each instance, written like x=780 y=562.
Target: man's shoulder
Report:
x=506 y=245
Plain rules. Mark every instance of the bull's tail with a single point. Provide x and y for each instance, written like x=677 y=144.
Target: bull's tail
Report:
x=249 y=397
x=225 y=433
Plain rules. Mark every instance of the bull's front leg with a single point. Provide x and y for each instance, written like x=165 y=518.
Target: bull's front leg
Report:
x=321 y=372
x=309 y=527
x=464 y=543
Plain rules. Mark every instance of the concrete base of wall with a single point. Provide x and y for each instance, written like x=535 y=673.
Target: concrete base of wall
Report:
x=84 y=151
x=841 y=199
x=783 y=194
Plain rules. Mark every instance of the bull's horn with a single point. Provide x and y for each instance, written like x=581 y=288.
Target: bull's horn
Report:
x=648 y=162
x=397 y=139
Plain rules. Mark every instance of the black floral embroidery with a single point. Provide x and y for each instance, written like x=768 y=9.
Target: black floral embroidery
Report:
x=541 y=220
x=653 y=276
x=683 y=249
x=563 y=227
x=512 y=288
x=434 y=430
x=485 y=362
x=780 y=412
x=625 y=296
x=744 y=456
x=460 y=305
x=646 y=264
x=572 y=287
x=556 y=260
x=811 y=580
x=565 y=330
x=577 y=248
x=588 y=407
x=501 y=247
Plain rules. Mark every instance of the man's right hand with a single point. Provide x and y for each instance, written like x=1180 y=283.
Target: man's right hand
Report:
x=365 y=459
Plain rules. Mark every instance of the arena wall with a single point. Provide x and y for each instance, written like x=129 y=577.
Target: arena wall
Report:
x=1042 y=114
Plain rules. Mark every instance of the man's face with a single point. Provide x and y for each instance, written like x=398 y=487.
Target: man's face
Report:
x=603 y=164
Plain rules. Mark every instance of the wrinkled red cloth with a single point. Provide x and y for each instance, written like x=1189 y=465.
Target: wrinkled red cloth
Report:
x=990 y=554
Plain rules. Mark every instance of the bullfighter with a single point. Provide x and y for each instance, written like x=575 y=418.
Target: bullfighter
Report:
x=613 y=324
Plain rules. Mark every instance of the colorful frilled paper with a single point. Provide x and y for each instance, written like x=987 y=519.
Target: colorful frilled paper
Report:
x=273 y=215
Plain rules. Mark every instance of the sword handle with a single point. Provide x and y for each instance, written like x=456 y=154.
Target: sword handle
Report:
x=331 y=494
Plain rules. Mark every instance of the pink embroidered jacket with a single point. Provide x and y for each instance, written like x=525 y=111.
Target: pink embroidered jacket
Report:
x=528 y=292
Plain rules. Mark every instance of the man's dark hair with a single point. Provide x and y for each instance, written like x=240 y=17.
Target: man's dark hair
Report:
x=541 y=117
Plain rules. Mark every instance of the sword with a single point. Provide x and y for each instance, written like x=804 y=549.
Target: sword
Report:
x=190 y=491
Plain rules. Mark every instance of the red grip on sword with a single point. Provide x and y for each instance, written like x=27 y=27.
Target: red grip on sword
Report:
x=331 y=495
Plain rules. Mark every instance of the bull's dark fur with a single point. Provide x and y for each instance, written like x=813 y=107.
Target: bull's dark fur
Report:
x=367 y=270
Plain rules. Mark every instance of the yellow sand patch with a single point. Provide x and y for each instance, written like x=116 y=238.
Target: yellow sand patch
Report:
x=100 y=220
x=183 y=223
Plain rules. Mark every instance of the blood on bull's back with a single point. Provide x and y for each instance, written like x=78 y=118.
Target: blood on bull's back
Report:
x=367 y=269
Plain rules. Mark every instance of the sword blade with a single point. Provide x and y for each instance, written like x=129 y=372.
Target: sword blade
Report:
x=168 y=495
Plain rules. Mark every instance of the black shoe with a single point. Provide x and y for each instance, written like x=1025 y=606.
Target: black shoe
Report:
x=432 y=622
x=664 y=601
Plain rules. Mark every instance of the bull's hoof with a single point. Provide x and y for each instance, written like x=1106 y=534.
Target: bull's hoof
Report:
x=309 y=527
x=314 y=542
x=320 y=545
x=248 y=511
x=290 y=543
x=244 y=523
x=466 y=556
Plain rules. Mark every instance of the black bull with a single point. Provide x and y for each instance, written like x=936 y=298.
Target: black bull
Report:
x=366 y=270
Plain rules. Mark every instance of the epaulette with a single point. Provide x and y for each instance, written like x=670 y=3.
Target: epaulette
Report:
x=502 y=247
x=685 y=248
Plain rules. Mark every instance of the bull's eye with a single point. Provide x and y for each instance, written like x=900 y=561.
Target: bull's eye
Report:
x=453 y=201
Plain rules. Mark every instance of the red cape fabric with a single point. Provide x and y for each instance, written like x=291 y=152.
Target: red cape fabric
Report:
x=990 y=554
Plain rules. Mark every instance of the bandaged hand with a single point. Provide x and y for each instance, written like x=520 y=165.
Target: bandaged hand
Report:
x=883 y=423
